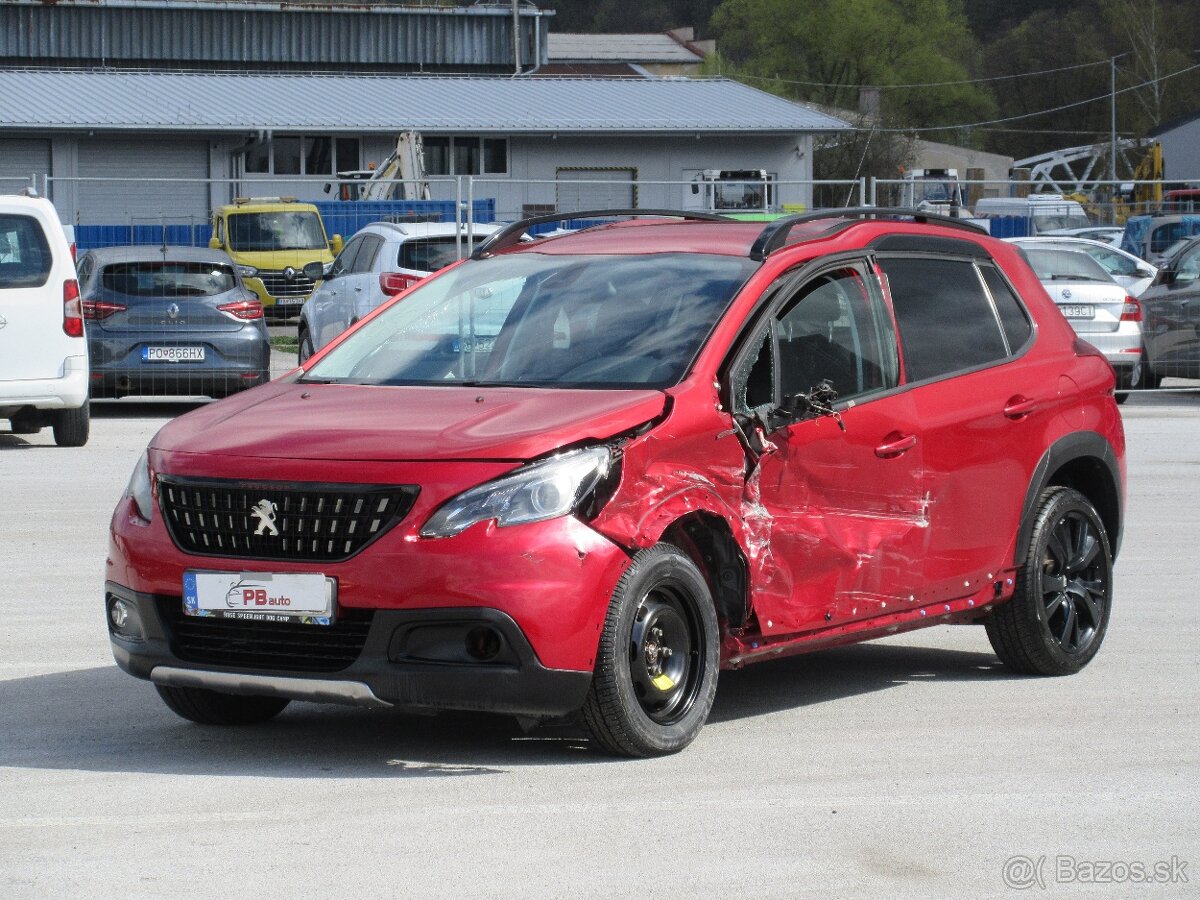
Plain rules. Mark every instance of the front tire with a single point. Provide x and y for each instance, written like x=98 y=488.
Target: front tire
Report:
x=1056 y=620
x=656 y=668
x=306 y=346
x=213 y=708
x=71 y=426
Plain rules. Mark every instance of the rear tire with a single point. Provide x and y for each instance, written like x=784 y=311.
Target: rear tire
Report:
x=656 y=667
x=1057 y=618
x=213 y=708
x=71 y=426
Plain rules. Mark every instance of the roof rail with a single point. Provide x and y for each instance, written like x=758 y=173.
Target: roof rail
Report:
x=775 y=234
x=511 y=234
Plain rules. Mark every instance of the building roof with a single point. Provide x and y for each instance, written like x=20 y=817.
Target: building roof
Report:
x=641 y=48
x=56 y=100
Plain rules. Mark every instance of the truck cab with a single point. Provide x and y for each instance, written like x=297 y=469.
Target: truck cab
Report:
x=272 y=239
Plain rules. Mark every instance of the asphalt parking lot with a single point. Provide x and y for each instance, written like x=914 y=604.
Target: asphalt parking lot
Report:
x=909 y=767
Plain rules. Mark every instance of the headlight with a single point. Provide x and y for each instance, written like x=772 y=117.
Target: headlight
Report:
x=139 y=488
x=545 y=490
x=247 y=271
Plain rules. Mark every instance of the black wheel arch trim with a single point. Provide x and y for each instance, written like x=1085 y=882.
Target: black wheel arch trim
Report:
x=1080 y=446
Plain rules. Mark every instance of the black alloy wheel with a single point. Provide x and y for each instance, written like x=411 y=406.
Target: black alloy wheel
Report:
x=1057 y=618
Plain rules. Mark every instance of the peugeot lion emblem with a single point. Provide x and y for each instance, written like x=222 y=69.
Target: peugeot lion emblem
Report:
x=264 y=511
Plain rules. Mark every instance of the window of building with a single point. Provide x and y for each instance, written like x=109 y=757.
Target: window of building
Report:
x=308 y=154
x=466 y=156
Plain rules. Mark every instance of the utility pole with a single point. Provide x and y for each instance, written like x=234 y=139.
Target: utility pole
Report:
x=516 y=8
x=1112 y=147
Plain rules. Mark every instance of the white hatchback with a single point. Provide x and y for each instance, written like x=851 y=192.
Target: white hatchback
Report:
x=379 y=261
x=43 y=353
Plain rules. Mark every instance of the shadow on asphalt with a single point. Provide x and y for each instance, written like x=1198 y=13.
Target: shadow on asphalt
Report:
x=145 y=408
x=105 y=721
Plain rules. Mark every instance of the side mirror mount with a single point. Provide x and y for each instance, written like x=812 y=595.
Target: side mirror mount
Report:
x=336 y=244
x=315 y=271
x=214 y=244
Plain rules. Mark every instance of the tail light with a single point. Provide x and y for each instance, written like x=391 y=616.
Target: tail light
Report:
x=1131 y=311
x=395 y=282
x=243 y=309
x=72 y=310
x=99 y=309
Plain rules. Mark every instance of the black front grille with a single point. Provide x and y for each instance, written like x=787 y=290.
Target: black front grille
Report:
x=279 y=286
x=283 y=646
x=275 y=520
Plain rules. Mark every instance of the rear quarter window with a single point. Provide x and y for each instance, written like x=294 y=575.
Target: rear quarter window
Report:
x=24 y=252
x=429 y=254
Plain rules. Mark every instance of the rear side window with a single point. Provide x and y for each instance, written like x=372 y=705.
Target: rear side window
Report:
x=1012 y=315
x=429 y=254
x=945 y=317
x=168 y=279
x=24 y=253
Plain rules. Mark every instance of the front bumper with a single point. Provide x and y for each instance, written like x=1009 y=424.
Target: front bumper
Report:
x=411 y=659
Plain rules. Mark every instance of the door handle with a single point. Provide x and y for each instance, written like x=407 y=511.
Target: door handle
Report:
x=1019 y=407
x=895 y=444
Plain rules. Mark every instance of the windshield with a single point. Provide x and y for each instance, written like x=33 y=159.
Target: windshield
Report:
x=168 y=279
x=1065 y=265
x=276 y=231
x=541 y=320
x=1052 y=219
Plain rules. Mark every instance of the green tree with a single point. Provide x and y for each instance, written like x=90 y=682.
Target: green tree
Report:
x=825 y=50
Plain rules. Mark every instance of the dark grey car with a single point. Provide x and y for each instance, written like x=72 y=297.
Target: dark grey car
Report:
x=171 y=320
x=1171 y=306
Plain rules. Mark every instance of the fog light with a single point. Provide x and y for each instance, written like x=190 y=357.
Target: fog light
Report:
x=483 y=643
x=123 y=620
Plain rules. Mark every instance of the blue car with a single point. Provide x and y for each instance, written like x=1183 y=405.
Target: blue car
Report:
x=171 y=321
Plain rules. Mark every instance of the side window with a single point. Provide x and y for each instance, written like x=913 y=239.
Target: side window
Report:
x=367 y=253
x=831 y=330
x=1013 y=318
x=945 y=317
x=84 y=269
x=345 y=260
x=1189 y=266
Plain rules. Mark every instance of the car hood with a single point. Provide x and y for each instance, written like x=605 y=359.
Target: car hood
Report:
x=375 y=423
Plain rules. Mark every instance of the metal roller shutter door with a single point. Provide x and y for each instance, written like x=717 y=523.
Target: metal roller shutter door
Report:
x=118 y=202
x=20 y=158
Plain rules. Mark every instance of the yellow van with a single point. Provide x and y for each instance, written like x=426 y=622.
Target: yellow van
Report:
x=272 y=239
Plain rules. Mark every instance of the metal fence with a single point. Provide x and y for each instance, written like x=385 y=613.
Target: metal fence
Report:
x=473 y=201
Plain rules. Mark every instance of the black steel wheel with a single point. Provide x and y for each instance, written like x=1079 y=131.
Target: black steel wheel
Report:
x=213 y=708
x=1057 y=618
x=656 y=667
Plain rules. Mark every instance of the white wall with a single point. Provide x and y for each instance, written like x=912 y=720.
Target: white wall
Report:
x=1181 y=152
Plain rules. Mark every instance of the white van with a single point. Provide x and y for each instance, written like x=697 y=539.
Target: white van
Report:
x=43 y=352
x=1045 y=212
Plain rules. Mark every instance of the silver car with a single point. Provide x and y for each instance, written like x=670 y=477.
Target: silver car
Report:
x=1099 y=309
x=1133 y=274
x=379 y=261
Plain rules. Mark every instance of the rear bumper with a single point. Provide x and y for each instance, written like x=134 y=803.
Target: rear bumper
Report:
x=68 y=391
x=410 y=659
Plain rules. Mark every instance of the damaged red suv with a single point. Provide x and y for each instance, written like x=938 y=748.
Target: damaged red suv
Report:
x=582 y=474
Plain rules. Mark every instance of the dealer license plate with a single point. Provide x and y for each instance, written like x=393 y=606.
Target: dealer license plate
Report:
x=1078 y=311
x=172 y=354
x=260 y=596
